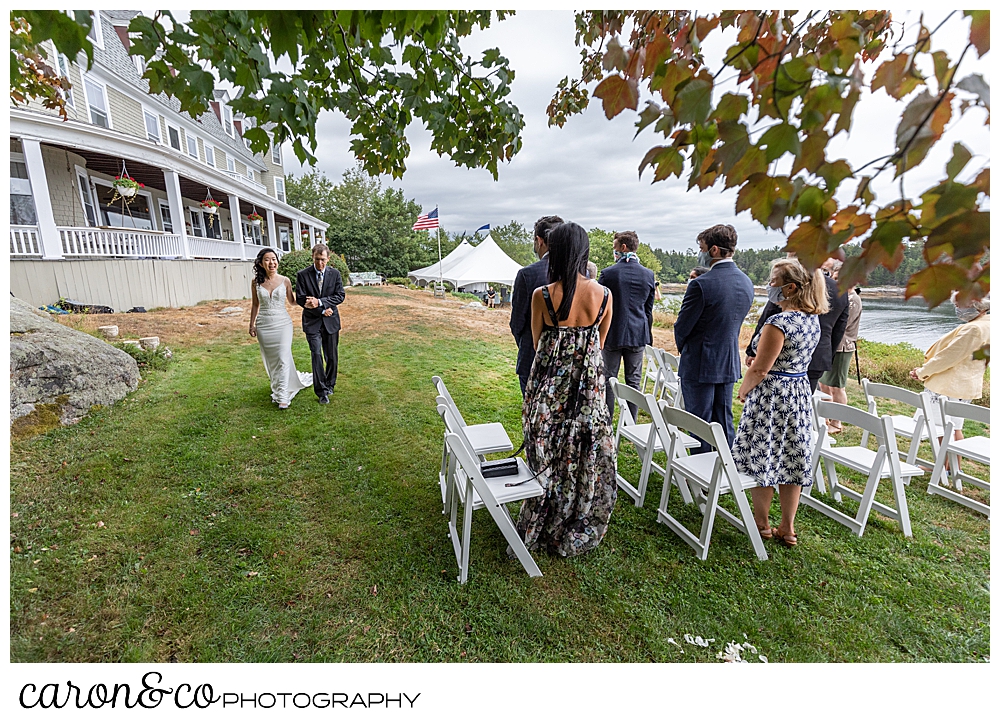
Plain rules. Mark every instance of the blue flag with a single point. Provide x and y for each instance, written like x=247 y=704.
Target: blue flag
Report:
x=485 y=227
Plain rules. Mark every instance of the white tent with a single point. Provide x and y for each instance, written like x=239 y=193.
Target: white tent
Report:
x=431 y=273
x=476 y=267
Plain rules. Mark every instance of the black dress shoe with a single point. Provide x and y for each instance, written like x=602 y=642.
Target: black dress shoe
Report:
x=324 y=399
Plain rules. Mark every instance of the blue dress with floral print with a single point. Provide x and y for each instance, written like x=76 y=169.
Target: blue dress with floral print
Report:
x=774 y=442
x=569 y=440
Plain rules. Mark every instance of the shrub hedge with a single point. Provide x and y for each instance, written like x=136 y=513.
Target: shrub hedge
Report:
x=294 y=261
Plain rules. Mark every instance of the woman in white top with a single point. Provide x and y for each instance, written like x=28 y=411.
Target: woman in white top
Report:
x=272 y=327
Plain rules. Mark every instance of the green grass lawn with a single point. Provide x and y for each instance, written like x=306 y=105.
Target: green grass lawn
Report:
x=195 y=522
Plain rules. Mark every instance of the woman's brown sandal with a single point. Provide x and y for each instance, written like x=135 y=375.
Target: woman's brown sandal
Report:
x=786 y=540
x=766 y=533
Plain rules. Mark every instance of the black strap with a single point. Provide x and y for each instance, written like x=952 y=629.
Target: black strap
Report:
x=604 y=305
x=548 y=303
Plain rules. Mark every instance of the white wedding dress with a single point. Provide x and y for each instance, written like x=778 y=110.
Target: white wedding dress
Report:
x=274 y=334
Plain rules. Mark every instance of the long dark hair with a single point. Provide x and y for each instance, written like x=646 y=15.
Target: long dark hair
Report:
x=258 y=265
x=569 y=251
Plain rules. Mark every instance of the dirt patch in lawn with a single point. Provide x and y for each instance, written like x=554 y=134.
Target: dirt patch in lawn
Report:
x=364 y=311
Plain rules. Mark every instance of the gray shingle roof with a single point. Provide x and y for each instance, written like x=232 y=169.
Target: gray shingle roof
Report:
x=114 y=57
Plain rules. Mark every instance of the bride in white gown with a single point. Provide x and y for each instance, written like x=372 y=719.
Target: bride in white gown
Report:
x=272 y=326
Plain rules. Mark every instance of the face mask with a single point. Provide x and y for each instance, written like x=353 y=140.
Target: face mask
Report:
x=966 y=314
x=775 y=295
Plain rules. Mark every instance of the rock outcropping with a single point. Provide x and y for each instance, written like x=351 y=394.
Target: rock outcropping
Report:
x=51 y=364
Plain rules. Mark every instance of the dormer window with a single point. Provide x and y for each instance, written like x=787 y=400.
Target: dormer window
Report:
x=275 y=153
x=96 y=34
x=227 y=121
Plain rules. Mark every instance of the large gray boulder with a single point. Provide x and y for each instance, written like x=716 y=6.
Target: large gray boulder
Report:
x=52 y=364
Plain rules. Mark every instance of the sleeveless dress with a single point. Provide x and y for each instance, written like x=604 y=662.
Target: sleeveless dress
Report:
x=774 y=442
x=569 y=440
x=274 y=334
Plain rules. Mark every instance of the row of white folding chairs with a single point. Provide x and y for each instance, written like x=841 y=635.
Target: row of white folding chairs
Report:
x=936 y=426
x=483 y=438
x=700 y=478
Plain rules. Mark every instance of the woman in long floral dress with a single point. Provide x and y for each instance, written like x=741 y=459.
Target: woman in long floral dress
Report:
x=774 y=442
x=567 y=426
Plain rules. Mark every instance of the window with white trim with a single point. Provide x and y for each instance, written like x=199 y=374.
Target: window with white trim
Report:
x=22 y=203
x=230 y=164
x=279 y=188
x=97 y=102
x=197 y=229
x=152 y=125
x=250 y=174
x=174 y=136
x=96 y=34
x=63 y=63
x=86 y=197
x=165 y=220
x=210 y=155
x=275 y=153
x=227 y=121
x=192 y=144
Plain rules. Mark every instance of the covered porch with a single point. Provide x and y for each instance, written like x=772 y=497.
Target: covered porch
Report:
x=63 y=205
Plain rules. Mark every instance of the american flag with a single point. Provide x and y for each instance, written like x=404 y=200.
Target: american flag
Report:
x=426 y=221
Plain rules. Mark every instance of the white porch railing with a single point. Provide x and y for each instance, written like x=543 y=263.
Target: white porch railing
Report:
x=243 y=179
x=213 y=248
x=84 y=241
x=24 y=241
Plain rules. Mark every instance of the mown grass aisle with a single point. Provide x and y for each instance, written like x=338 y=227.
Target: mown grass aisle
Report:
x=195 y=522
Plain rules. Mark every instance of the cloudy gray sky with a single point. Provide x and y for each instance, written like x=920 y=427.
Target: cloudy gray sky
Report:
x=587 y=171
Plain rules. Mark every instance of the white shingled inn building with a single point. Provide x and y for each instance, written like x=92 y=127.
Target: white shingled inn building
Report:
x=70 y=239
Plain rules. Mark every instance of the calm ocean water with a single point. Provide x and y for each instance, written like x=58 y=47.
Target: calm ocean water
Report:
x=892 y=320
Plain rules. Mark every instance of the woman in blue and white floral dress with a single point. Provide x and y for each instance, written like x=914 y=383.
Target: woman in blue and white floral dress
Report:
x=774 y=442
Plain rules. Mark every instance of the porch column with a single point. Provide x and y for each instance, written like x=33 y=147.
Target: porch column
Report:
x=296 y=234
x=47 y=230
x=272 y=229
x=173 y=183
x=234 y=219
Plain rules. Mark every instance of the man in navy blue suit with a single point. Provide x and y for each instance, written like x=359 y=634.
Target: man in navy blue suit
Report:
x=707 y=332
x=633 y=290
x=527 y=280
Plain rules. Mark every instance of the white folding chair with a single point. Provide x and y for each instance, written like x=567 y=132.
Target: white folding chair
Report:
x=877 y=465
x=914 y=428
x=645 y=439
x=670 y=387
x=712 y=474
x=975 y=448
x=473 y=492
x=483 y=438
x=652 y=372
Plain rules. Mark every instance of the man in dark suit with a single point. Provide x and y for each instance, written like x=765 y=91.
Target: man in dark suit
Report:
x=527 y=280
x=832 y=326
x=633 y=290
x=707 y=332
x=319 y=290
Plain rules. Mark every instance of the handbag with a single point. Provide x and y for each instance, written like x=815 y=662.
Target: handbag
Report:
x=499 y=468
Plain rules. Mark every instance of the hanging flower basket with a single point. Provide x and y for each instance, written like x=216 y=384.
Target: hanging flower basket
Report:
x=255 y=218
x=210 y=205
x=126 y=186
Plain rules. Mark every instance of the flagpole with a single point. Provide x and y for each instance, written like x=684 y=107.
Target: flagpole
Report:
x=437 y=234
